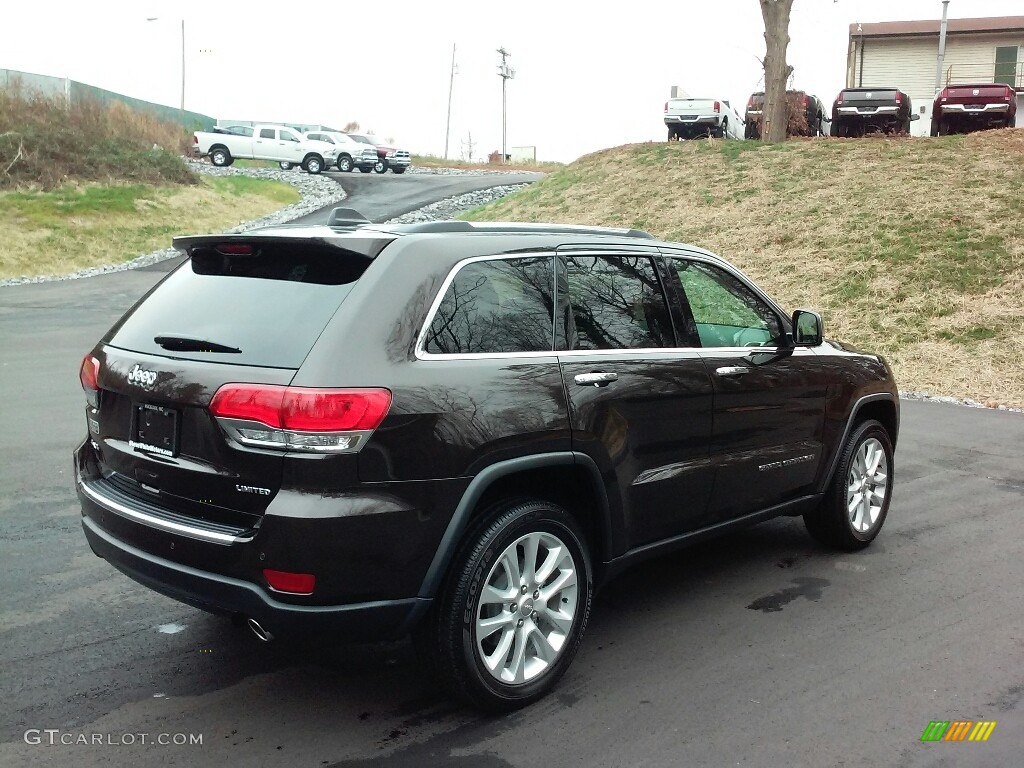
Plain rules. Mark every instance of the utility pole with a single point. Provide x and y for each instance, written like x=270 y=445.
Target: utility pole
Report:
x=942 y=47
x=506 y=73
x=448 y=125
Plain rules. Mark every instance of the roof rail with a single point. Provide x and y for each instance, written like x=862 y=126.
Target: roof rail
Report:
x=502 y=227
x=346 y=217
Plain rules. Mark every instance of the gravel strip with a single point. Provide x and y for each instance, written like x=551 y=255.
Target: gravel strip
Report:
x=451 y=207
x=317 y=192
x=459 y=171
x=928 y=397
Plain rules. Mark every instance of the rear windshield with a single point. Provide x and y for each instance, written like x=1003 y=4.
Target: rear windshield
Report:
x=270 y=306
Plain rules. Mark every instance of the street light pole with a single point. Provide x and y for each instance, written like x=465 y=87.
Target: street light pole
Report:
x=182 y=70
x=448 y=124
x=182 y=105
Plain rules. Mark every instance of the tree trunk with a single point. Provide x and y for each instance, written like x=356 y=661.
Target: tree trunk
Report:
x=776 y=70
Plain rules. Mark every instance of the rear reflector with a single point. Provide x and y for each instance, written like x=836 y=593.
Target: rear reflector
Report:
x=293 y=583
x=300 y=418
x=89 y=375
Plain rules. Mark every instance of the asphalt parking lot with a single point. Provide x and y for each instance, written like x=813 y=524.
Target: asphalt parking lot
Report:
x=760 y=649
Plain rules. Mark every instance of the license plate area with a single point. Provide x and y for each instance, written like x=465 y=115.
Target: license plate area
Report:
x=155 y=429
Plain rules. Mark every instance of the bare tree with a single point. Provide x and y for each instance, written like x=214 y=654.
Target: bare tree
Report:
x=467 y=148
x=351 y=127
x=776 y=70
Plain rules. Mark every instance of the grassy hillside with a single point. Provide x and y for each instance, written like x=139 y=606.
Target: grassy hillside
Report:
x=910 y=247
x=83 y=186
x=79 y=226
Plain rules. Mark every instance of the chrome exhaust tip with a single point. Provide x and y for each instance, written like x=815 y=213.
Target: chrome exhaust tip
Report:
x=259 y=631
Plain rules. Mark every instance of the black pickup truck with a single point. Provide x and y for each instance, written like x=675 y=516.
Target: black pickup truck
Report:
x=858 y=111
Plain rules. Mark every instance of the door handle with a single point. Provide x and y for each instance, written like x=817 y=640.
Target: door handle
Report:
x=732 y=370
x=596 y=379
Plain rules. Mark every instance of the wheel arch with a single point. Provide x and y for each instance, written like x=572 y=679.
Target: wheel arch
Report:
x=570 y=479
x=882 y=407
x=310 y=155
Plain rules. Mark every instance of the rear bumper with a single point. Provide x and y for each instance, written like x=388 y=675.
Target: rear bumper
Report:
x=963 y=110
x=369 y=550
x=384 y=619
x=684 y=120
x=867 y=115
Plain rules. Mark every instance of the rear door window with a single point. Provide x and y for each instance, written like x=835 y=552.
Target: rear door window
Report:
x=615 y=302
x=271 y=306
x=266 y=133
x=495 y=306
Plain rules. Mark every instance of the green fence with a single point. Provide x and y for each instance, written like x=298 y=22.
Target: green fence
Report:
x=74 y=91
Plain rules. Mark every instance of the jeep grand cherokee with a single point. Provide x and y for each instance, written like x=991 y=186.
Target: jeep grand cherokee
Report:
x=460 y=430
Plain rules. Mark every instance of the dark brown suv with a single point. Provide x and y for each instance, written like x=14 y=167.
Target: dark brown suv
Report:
x=461 y=430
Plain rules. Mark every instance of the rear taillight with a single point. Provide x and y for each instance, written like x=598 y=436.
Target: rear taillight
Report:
x=718 y=107
x=89 y=375
x=300 y=418
x=666 y=106
x=750 y=102
x=839 y=98
x=899 y=97
x=292 y=583
x=806 y=100
x=195 y=139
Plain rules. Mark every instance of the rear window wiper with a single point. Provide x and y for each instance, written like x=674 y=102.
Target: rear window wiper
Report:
x=188 y=344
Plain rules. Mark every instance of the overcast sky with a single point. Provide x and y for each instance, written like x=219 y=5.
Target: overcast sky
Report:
x=589 y=75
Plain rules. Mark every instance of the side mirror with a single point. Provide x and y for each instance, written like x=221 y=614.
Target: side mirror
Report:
x=806 y=328
x=915 y=116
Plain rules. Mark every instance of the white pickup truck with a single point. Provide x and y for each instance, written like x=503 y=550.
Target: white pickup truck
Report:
x=694 y=118
x=264 y=142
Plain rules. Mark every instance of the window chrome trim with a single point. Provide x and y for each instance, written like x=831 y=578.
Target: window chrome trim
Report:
x=420 y=350
x=661 y=252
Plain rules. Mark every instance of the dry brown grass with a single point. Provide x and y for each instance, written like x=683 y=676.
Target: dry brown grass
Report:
x=81 y=226
x=45 y=143
x=913 y=248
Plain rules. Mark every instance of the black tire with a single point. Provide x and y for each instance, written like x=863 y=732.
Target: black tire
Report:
x=365 y=168
x=220 y=157
x=723 y=131
x=345 y=164
x=934 y=131
x=448 y=636
x=831 y=523
x=313 y=164
x=671 y=134
x=286 y=166
x=381 y=166
x=399 y=171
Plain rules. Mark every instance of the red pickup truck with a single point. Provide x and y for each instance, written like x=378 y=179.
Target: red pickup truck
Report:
x=973 y=106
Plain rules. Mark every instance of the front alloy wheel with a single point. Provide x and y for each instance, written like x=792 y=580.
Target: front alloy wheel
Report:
x=512 y=613
x=381 y=166
x=857 y=501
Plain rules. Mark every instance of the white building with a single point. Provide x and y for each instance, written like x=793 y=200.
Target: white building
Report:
x=904 y=54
